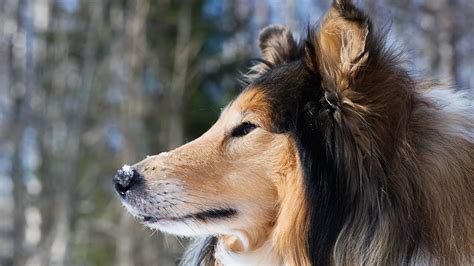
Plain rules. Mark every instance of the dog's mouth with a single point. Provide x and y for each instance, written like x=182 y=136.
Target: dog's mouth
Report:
x=211 y=214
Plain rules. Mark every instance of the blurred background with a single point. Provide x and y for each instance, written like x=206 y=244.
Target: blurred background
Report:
x=86 y=86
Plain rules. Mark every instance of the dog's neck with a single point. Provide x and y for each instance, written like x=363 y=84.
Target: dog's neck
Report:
x=232 y=251
x=279 y=242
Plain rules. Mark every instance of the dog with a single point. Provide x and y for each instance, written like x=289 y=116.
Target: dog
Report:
x=331 y=155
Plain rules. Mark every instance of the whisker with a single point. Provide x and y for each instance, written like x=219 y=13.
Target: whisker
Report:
x=181 y=214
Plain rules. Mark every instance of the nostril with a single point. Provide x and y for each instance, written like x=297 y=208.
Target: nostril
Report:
x=125 y=179
x=122 y=188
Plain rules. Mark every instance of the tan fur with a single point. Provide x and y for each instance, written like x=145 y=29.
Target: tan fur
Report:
x=219 y=160
x=291 y=228
x=411 y=161
x=286 y=224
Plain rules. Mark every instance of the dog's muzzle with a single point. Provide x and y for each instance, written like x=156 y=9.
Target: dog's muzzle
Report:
x=125 y=179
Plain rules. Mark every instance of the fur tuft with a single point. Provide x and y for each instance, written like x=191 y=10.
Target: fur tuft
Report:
x=200 y=252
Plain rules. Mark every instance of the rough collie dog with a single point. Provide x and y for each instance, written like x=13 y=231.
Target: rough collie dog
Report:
x=332 y=154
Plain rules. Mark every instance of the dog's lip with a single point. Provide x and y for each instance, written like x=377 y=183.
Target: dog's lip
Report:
x=149 y=219
x=153 y=219
x=220 y=213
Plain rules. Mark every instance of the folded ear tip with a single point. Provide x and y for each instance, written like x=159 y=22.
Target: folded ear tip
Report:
x=271 y=31
x=349 y=11
x=342 y=3
x=274 y=27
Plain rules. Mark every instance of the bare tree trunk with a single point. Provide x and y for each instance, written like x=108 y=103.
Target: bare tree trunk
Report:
x=179 y=77
x=447 y=43
x=261 y=12
x=131 y=115
x=20 y=120
x=429 y=28
x=124 y=254
x=440 y=39
x=290 y=15
x=66 y=192
x=46 y=200
x=18 y=191
x=6 y=70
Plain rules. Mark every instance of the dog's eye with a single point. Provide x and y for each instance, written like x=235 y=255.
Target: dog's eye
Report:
x=243 y=129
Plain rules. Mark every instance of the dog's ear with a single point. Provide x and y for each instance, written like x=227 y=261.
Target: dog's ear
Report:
x=341 y=48
x=277 y=45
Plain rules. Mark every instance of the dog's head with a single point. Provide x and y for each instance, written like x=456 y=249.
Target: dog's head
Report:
x=282 y=154
x=224 y=182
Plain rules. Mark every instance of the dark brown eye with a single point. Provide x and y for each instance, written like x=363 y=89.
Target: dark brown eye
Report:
x=243 y=129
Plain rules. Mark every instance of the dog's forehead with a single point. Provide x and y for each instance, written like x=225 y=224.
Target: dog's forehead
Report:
x=231 y=114
x=271 y=100
x=252 y=99
x=254 y=106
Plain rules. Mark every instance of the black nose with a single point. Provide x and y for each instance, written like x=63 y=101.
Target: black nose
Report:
x=125 y=179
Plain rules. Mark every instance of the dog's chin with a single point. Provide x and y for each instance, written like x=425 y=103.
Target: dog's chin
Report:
x=182 y=228
x=192 y=224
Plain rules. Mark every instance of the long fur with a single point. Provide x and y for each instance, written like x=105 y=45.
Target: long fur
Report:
x=200 y=252
x=387 y=164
